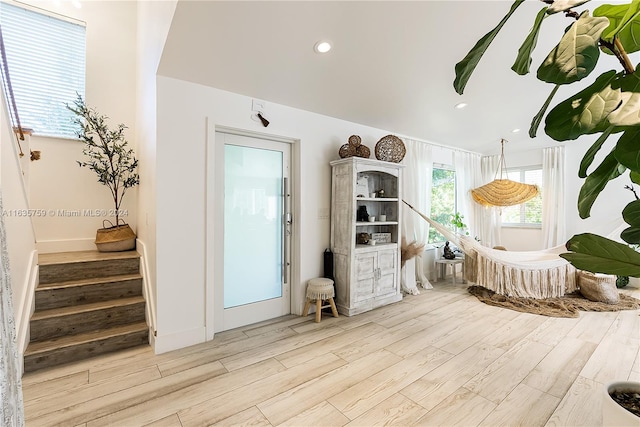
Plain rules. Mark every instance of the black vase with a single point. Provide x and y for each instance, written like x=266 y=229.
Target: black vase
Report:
x=362 y=215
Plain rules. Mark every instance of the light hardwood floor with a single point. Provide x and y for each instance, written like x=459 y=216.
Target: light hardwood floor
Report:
x=441 y=358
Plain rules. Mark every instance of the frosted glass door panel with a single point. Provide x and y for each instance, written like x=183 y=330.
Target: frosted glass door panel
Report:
x=253 y=225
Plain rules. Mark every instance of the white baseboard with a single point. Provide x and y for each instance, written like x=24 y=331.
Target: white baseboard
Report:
x=165 y=343
x=71 y=245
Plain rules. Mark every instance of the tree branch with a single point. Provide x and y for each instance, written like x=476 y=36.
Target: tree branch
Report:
x=618 y=50
x=633 y=190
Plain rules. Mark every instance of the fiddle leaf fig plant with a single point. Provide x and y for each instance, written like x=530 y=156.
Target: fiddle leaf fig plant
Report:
x=609 y=107
x=107 y=152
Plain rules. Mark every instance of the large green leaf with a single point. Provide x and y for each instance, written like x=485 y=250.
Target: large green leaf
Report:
x=628 y=149
x=598 y=254
x=595 y=183
x=562 y=5
x=635 y=177
x=537 y=119
x=631 y=235
x=523 y=60
x=577 y=53
x=628 y=113
x=624 y=24
x=585 y=112
x=465 y=68
x=631 y=213
x=588 y=157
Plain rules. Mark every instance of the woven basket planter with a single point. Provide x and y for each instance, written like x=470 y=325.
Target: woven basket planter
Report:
x=116 y=238
x=598 y=287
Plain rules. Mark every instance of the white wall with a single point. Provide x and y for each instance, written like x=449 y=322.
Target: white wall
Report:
x=57 y=183
x=183 y=111
x=154 y=20
x=606 y=218
x=20 y=237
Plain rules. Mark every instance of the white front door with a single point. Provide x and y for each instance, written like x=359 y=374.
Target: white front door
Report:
x=256 y=217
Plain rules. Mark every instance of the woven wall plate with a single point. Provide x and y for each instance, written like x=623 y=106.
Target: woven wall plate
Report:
x=347 y=150
x=390 y=148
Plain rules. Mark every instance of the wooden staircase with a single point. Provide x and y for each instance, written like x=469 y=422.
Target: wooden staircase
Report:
x=87 y=303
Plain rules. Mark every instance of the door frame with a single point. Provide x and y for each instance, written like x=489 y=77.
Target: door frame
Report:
x=214 y=218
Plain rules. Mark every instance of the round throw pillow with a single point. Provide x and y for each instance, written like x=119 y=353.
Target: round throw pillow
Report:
x=598 y=287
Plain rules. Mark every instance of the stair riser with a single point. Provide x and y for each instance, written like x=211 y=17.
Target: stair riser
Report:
x=53 y=273
x=86 y=294
x=45 y=329
x=60 y=356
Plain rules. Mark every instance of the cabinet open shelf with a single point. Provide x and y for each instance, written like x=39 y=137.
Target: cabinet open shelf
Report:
x=378 y=199
x=377 y=245
x=366 y=276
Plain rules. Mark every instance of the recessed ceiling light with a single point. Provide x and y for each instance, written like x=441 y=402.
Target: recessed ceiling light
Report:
x=460 y=105
x=322 y=46
x=516 y=130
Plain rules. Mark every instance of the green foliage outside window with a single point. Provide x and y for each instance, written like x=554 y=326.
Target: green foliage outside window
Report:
x=443 y=200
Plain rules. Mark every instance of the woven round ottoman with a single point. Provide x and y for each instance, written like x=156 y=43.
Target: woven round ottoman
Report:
x=319 y=290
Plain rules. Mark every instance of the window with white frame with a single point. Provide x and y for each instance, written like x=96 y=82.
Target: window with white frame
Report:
x=45 y=56
x=527 y=214
x=443 y=199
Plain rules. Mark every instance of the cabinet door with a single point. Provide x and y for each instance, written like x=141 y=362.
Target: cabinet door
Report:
x=365 y=276
x=387 y=272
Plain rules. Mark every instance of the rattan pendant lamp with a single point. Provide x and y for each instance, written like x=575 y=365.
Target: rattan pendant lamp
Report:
x=503 y=192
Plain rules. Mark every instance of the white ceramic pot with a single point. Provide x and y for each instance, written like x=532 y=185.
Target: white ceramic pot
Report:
x=614 y=414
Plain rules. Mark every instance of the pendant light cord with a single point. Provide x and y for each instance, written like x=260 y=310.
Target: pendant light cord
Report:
x=503 y=163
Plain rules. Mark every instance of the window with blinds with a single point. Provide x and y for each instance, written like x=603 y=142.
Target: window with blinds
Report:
x=46 y=61
x=527 y=214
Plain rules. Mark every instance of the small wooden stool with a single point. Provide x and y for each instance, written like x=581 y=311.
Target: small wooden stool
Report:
x=319 y=290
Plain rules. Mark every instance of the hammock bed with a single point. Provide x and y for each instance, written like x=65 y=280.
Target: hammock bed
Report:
x=530 y=274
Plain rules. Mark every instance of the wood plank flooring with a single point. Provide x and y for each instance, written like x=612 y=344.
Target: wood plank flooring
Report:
x=441 y=358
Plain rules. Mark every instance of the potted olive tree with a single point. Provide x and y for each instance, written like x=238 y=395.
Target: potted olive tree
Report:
x=108 y=155
x=609 y=107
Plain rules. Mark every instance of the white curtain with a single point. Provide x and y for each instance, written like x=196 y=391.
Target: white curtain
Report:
x=416 y=190
x=468 y=176
x=553 y=215
x=491 y=219
x=11 y=403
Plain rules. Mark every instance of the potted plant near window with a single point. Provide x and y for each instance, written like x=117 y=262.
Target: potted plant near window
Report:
x=108 y=155
x=609 y=106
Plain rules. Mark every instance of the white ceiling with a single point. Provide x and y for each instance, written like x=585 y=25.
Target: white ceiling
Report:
x=391 y=66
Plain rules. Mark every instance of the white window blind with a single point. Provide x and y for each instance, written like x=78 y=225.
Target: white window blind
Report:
x=527 y=214
x=46 y=62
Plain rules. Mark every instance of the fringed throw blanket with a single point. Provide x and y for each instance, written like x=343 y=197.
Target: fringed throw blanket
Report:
x=567 y=306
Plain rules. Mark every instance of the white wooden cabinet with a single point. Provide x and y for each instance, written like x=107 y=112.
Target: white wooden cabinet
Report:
x=366 y=276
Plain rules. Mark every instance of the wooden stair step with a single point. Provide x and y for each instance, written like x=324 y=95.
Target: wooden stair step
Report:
x=57 y=322
x=77 y=347
x=83 y=256
x=67 y=266
x=86 y=291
